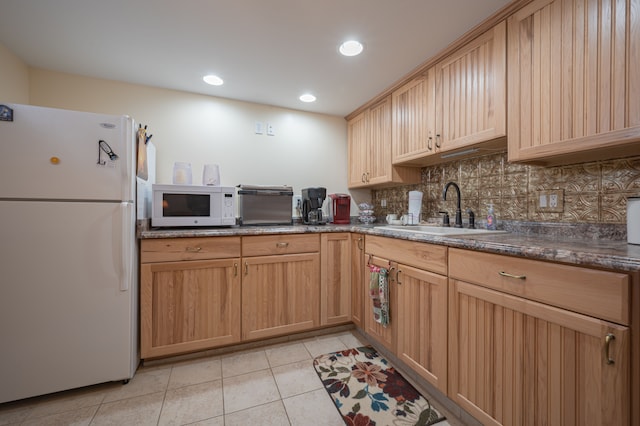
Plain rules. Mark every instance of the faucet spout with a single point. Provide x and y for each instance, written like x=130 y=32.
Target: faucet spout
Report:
x=458 y=222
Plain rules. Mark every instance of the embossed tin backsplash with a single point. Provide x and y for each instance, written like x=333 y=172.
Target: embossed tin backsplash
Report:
x=593 y=192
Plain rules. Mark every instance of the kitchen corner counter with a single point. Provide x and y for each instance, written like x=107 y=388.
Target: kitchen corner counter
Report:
x=601 y=253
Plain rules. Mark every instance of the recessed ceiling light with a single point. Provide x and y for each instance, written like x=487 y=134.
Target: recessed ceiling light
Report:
x=307 y=97
x=351 y=48
x=213 y=80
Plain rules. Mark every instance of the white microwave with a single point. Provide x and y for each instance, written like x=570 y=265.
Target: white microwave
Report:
x=192 y=205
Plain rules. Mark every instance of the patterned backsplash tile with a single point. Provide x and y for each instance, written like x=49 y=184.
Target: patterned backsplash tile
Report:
x=593 y=192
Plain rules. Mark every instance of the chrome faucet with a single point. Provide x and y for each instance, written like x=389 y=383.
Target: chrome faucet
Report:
x=458 y=222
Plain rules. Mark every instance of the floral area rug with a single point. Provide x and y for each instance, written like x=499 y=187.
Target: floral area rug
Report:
x=369 y=392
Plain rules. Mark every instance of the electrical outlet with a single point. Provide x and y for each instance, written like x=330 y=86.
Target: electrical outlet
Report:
x=270 y=131
x=550 y=201
x=383 y=203
x=297 y=206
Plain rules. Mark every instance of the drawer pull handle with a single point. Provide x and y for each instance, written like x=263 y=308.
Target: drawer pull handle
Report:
x=360 y=244
x=193 y=249
x=282 y=245
x=398 y=277
x=508 y=275
x=246 y=268
x=607 y=340
x=235 y=269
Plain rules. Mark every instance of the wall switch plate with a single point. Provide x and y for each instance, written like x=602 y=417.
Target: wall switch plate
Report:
x=259 y=128
x=550 y=201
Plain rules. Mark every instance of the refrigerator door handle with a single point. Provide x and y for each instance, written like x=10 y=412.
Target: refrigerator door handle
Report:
x=128 y=238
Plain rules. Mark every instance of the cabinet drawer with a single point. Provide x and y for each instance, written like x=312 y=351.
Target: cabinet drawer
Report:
x=265 y=245
x=172 y=249
x=601 y=294
x=424 y=256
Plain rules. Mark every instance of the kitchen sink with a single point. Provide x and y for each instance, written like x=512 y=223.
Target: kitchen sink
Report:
x=438 y=230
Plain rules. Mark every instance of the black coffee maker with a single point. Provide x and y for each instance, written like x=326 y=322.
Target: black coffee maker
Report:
x=312 y=199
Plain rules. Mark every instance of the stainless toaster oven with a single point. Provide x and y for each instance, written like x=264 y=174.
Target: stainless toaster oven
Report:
x=265 y=205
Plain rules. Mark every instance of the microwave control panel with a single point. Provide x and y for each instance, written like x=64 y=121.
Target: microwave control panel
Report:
x=229 y=205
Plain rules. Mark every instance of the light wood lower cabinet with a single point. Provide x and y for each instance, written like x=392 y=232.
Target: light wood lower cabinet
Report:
x=417 y=333
x=385 y=335
x=188 y=305
x=516 y=361
x=280 y=293
x=335 y=278
x=422 y=323
x=357 y=280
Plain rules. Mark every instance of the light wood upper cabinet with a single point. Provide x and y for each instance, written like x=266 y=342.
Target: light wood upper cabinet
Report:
x=574 y=81
x=358 y=154
x=471 y=93
x=369 y=153
x=335 y=278
x=457 y=104
x=414 y=118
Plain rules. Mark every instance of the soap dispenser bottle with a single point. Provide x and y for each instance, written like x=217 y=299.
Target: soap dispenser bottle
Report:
x=491 y=218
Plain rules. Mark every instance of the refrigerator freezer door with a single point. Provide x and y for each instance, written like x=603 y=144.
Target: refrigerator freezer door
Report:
x=55 y=154
x=68 y=300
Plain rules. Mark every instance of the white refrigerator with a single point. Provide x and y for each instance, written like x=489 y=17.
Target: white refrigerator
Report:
x=68 y=254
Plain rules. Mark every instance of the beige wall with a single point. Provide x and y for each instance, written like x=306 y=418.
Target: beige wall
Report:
x=307 y=150
x=14 y=78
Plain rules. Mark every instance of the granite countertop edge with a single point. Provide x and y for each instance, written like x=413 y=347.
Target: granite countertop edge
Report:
x=601 y=253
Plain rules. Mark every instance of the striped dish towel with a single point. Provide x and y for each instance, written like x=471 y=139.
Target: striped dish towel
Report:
x=379 y=293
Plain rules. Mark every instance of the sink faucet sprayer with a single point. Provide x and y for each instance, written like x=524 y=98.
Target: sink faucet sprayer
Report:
x=458 y=222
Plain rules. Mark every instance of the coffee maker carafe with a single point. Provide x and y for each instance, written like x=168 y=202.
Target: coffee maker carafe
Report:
x=312 y=199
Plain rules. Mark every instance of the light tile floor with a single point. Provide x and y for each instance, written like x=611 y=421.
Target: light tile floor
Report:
x=274 y=385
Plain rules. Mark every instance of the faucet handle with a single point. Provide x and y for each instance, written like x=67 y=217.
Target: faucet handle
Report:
x=472 y=219
x=445 y=219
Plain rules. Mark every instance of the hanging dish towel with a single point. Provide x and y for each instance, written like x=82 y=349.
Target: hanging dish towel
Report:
x=379 y=293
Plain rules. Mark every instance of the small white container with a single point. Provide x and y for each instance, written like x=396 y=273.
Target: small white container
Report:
x=182 y=173
x=633 y=220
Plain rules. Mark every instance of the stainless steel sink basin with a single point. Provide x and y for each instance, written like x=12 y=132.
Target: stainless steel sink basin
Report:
x=438 y=230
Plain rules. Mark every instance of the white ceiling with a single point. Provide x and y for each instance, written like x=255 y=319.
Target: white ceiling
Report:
x=267 y=51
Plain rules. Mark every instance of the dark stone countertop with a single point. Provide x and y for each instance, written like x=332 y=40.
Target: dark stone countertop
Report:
x=594 y=252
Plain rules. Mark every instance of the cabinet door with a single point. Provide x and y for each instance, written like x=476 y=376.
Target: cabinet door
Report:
x=380 y=169
x=422 y=323
x=188 y=306
x=335 y=276
x=574 y=80
x=358 y=153
x=471 y=92
x=518 y=362
x=280 y=294
x=357 y=280
x=414 y=120
x=386 y=336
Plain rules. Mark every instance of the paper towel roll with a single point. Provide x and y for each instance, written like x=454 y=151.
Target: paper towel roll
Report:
x=415 y=202
x=633 y=220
